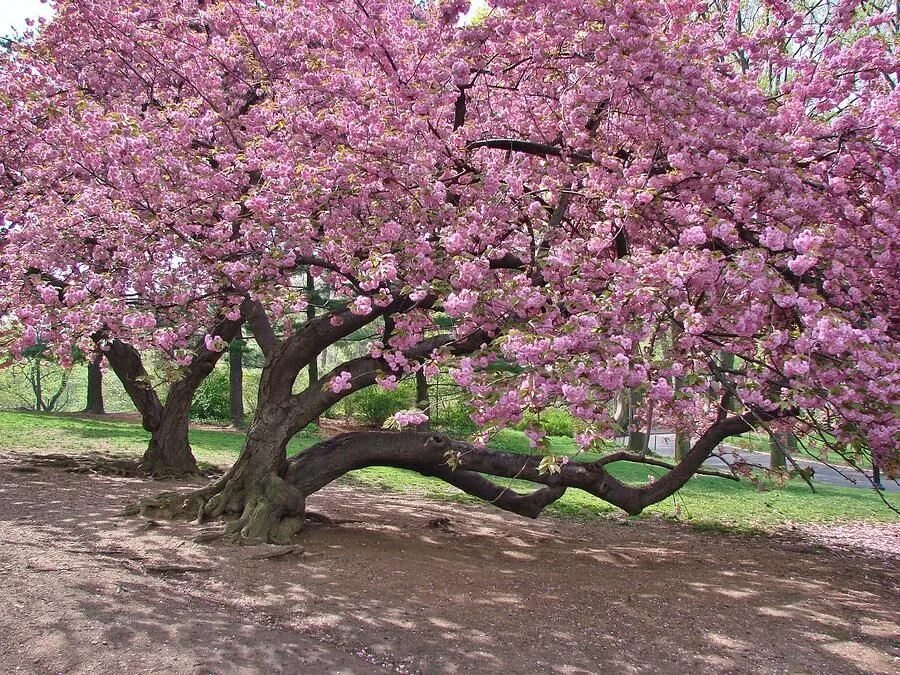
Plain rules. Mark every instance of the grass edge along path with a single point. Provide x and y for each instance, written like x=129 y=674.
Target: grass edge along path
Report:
x=707 y=503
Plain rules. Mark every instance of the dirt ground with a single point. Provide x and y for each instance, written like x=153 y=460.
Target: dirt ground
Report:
x=85 y=591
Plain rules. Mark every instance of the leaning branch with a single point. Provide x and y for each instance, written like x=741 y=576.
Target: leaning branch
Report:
x=255 y=315
x=466 y=466
x=643 y=459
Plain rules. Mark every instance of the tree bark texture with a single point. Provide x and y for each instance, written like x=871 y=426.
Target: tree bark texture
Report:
x=95 y=386
x=169 y=451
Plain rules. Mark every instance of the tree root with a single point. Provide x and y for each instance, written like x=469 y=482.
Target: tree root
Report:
x=212 y=534
x=272 y=552
x=175 y=569
x=272 y=511
x=267 y=510
x=96 y=463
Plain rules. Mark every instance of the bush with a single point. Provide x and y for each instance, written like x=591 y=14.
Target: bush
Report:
x=212 y=402
x=553 y=422
x=454 y=419
x=251 y=390
x=373 y=405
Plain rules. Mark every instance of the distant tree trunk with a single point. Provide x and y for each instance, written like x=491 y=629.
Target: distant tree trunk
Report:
x=779 y=444
x=37 y=385
x=313 y=368
x=236 y=381
x=621 y=414
x=637 y=440
x=95 y=386
x=423 y=402
x=726 y=363
x=682 y=445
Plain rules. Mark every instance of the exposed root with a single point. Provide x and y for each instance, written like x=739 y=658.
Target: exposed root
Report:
x=272 y=511
x=175 y=569
x=96 y=463
x=212 y=534
x=171 y=505
x=271 y=552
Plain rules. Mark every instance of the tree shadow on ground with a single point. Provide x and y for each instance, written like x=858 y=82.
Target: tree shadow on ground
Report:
x=410 y=590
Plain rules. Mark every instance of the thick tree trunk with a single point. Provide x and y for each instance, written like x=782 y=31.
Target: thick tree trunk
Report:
x=95 y=386
x=254 y=497
x=236 y=382
x=169 y=452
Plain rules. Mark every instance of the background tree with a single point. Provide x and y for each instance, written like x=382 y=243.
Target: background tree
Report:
x=236 y=381
x=94 y=395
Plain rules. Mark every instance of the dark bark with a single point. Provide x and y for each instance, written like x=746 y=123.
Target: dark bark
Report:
x=126 y=363
x=637 y=440
x=95 y=386
x=313 y=367
x=236 y=382
x=263 y=496
x=169 y=451
x=255 y=316
x=464 y=466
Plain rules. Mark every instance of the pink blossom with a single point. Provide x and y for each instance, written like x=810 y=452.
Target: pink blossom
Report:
x=341 y=382
x=409 y=418
x=693 y=236
x=215 y=343
x=460 y=73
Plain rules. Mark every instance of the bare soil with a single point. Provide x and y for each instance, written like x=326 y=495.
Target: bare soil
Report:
x=422 y=586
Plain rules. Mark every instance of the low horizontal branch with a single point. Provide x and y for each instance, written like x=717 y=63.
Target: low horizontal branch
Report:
x=643 y=459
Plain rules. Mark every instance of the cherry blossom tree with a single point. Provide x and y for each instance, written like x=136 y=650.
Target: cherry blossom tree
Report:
x=599 y=196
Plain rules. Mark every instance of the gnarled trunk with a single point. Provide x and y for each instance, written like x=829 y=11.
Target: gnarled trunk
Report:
x=169 y=451
x=253 y=496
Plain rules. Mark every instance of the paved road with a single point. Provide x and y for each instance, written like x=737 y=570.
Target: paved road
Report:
x=664 y=444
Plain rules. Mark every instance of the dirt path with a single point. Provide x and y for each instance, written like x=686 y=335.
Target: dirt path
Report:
x=84 y=591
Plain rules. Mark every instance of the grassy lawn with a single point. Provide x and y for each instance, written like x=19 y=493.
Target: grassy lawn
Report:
x=706 y=502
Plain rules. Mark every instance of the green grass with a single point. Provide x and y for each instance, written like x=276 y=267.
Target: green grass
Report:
x=709 y=503
x=66 y=434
